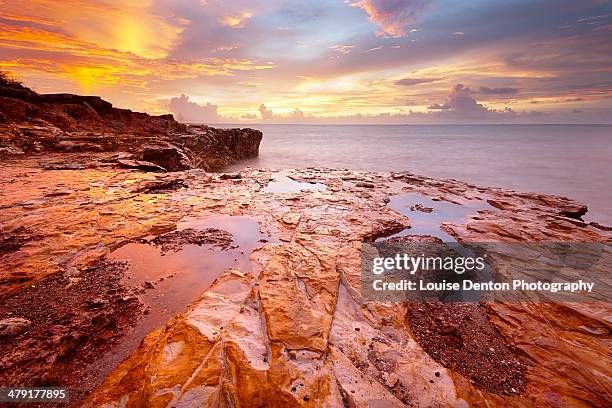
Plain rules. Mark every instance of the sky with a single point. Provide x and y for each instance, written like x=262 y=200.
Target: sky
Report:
x=321 y=61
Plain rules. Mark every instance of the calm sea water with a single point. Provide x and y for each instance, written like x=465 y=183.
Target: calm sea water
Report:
x=570 y=160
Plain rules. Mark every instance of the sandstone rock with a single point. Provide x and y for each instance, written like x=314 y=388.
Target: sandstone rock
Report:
x=230 y=176
x=97 y=303
x=140 y=165
x=10 y=150
x=13 y=326
x=168 y=157
x=161 y=186
x=74 y=146
x=422 y=208
x=35 y=123
x=283 y=330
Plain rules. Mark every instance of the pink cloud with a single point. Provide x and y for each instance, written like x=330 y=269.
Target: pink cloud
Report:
x=187 y=111
x=393 y=16
x=460 y=101
x=266 y=113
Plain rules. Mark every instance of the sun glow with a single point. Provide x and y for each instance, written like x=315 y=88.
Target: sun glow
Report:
x=301 y=61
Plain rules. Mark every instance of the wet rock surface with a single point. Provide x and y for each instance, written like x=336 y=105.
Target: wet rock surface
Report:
x=211 y=237
x=50 y=332
x=288 y=328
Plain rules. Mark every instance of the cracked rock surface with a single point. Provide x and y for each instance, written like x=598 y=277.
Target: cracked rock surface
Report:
x=290 y=329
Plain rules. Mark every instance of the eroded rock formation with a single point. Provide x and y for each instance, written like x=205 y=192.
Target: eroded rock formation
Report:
x=32 y=123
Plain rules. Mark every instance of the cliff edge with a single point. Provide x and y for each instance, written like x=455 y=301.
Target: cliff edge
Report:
x=32 y=123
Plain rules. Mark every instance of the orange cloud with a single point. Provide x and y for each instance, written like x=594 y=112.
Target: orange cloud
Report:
x=128 y=26
x=136 y=53
x=237 y=21
x=93 y=65
x=131 y=72
x=392 y=16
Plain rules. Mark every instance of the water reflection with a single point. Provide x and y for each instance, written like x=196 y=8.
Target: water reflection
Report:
x=427 y=215
x=176 y=279
x=284 y=184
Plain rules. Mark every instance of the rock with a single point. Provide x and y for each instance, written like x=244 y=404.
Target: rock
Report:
x=209 y=237
x=170 y=158
x=13 y=240
x=282 y=329
x=13 y=326
x=58 y=193
x=392 y=380
x=291 y=218
x=600 y=226
x=421 y=208
x=291 y=326
x=161 y=186
x=10 y=150
x=33 y=123
x=97 y=303
x=76 y=146
x=230 y=176
x=140 y=165
x=366 y=184
x=213 y=148
x=64 y=166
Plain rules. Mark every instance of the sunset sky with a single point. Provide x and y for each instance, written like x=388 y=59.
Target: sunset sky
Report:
x=321 y=61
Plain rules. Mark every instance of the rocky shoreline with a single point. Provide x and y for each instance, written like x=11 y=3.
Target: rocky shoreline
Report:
x=40 y=124
x=276 y=317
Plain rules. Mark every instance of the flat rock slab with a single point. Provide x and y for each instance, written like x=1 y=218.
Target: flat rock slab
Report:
x=292 y=328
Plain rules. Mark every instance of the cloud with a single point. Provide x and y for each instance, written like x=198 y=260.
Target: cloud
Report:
x=447 y=116
x=249 y=116
x=497 y=91
x=393 y=16
x=212 y=46
x=297 y=114
x=342 y=49
x=94 y=65
x=461 y=102
x=266 y=114
x=415 y=81
x=437 y=106
x=236 y=21
x=133 y=27
x=599 y=17
x=187 y=111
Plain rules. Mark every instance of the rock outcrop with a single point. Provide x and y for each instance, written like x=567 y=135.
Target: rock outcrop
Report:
x=31 y=123
x=291 y=327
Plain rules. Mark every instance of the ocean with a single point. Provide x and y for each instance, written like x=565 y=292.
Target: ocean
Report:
x=570 y=160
